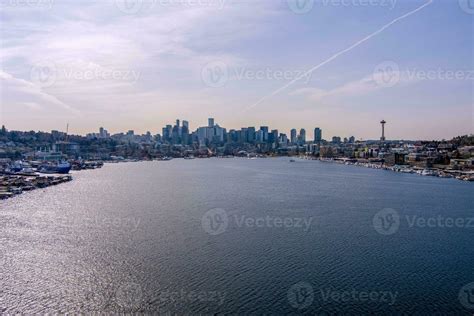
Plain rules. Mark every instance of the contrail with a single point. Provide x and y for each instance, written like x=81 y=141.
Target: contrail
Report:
x=340 y=53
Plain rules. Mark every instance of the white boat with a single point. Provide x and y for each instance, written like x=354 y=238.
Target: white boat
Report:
x=427 y=172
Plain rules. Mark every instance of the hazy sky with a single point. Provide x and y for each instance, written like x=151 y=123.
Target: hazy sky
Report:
x=140 y=64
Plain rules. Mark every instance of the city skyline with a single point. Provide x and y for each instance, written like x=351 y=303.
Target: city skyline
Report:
x=315 y=133
x=106 y=64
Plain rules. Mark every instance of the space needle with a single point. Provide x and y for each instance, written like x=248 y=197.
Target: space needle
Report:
x=383 y=130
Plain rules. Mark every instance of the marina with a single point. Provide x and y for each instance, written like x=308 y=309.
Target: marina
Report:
x=22 y=176
x=433 y=172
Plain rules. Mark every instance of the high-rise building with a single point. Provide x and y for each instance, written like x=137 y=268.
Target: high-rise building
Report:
x=283 y=140
x=175 y=134
x=264 y=129
x=167 y=133
x=103 y=133
x=318 y=135
x=302 y=137
x=212 y=133
x=184 y=134
x=251 y=134
x=273 y=136
x=293 y=138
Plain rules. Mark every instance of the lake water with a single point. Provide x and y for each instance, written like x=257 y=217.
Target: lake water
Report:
x=227 y=236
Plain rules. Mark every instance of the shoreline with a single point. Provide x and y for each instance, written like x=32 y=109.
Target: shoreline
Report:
x=14 y=184
x=467 y=176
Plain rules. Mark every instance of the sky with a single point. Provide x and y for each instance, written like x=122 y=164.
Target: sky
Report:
x=341 y=65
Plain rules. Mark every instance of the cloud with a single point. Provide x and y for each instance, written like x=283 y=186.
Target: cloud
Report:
x=361 y=87
x=16 y=91
x=160 y=50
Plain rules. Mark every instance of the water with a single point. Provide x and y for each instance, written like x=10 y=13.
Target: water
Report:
x=228 y=236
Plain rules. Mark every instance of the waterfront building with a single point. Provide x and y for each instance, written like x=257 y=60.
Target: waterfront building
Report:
x=212 y=133
x=273 y=136
x=167 y=133
x=293 y=138
x=264 y=129
x=302 y=136
x=283 y=140
x=318 y=135
x=251 y=135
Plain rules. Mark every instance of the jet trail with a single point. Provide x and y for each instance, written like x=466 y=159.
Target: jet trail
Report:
x=339 y=54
